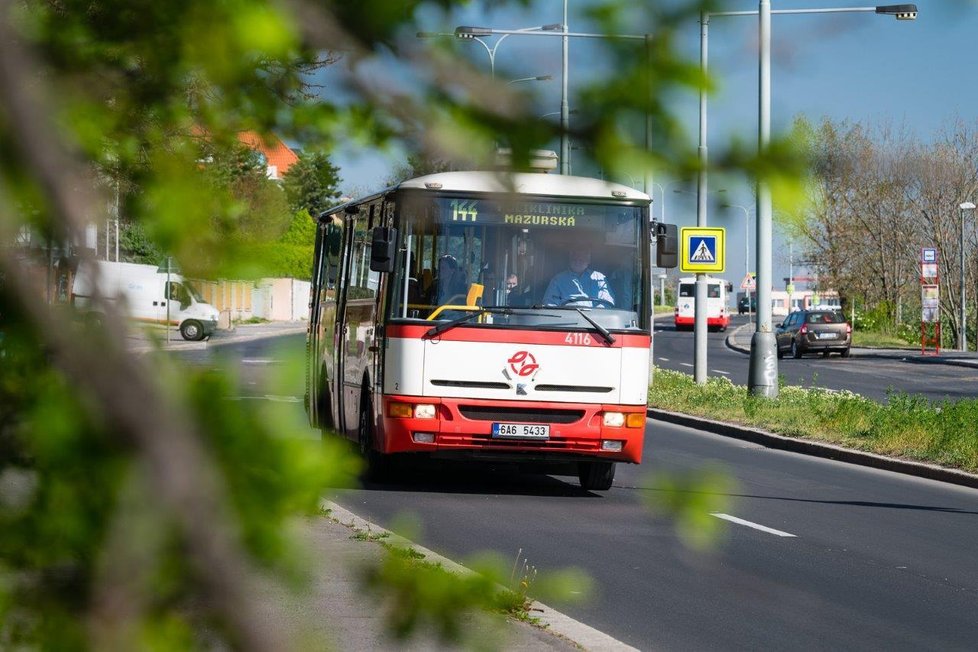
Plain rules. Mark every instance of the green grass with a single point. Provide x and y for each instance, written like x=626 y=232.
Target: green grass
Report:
x=874 y=339
x=367 y=535
x=911 y=427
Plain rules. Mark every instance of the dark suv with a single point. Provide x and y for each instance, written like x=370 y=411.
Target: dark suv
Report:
x=814 y=331
x=743 y=305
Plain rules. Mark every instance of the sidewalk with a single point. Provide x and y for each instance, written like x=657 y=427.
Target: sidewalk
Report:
x=348 y=619
x=151 y=338
x=739 y=340
x=336 y=611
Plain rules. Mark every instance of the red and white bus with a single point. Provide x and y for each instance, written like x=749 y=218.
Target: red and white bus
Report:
x=429 y=332
x=717 y=310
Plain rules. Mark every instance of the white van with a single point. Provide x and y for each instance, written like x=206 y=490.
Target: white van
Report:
x=142 y=293
x=717 y=312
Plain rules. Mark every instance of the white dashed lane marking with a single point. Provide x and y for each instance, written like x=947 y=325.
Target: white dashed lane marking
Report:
x=756 y=526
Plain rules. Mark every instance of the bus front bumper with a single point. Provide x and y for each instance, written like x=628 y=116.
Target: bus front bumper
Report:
x=464 y=428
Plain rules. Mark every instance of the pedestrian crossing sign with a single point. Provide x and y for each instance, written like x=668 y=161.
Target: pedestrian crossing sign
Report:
x=701 y=249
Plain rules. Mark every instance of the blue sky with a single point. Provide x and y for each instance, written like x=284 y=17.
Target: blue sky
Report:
x=858 y=67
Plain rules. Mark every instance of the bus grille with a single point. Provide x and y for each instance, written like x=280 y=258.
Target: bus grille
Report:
x=591 y=389
x=519 y=415
x=576 y=444
x=470 y=384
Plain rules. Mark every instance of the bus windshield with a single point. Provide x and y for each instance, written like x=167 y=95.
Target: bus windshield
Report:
x=544 y=260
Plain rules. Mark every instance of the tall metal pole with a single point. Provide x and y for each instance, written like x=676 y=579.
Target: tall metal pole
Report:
x=762 y=375
x=647 y=177
x=791 y=273
x=699 y=308
x=750 y=313
x=564 y=109
x=962 y=341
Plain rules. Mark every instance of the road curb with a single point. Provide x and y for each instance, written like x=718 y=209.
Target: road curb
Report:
x=730 y=339
x=245 y=335
x=863 y=352
x=549 y=619
x=819 y=449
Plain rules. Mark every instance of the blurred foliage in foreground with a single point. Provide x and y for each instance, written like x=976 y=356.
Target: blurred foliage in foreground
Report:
x=137 y=505
x=905 y=426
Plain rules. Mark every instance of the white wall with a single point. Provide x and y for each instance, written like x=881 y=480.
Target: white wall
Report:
x=281 y=299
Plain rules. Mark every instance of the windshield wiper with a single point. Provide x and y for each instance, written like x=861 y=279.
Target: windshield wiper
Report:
x=605 y=333
x=441 y=328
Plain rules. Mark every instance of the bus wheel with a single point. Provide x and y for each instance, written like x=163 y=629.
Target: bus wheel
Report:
x=375 y=464
x=596 y=476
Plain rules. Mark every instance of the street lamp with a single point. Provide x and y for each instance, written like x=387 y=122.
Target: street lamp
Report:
x=550 y=30
x=962 y=342
x=467 y=33
x=762 y=375
x=662 y=207
x=527 y=79
x=746 y=249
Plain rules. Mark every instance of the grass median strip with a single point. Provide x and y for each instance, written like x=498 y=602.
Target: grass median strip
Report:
x=910 y=427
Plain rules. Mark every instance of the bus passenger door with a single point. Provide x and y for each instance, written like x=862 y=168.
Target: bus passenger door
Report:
x=359 y=318
x=338 y=334
x=320 y=388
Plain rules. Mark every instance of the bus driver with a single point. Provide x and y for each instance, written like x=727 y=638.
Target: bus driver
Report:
x=579 y=282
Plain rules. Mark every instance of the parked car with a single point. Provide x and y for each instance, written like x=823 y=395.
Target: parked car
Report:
x=814 y=331
x=743 y=306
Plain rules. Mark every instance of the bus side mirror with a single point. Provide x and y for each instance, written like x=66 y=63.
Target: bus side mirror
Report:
x=382 y=249
x=666 y=245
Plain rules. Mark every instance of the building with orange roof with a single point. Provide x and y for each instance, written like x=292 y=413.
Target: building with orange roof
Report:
x=278 y=156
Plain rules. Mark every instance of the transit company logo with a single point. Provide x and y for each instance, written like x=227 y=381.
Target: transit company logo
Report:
x=523 y=365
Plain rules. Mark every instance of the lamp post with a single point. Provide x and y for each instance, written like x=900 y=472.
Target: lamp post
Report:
x=476 y=34
x=526 y=79
x=549 y=30
x=746 y=250
x=962 y=341
x=662 y=207
x=762 y=375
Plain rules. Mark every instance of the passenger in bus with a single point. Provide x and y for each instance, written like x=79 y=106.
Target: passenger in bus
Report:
x=579 y=283
x=512 y=281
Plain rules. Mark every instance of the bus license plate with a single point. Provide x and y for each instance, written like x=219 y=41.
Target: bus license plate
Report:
x=520 y=431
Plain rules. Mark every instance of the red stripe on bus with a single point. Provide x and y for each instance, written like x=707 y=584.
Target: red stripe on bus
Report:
x=514 y=336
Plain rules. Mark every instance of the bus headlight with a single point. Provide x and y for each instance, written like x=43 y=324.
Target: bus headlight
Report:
x=408 y=410
x=614 y=419
x=424 y=411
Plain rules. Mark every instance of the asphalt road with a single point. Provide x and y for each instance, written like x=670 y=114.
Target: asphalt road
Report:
x=863 y=373
x=876 y=560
